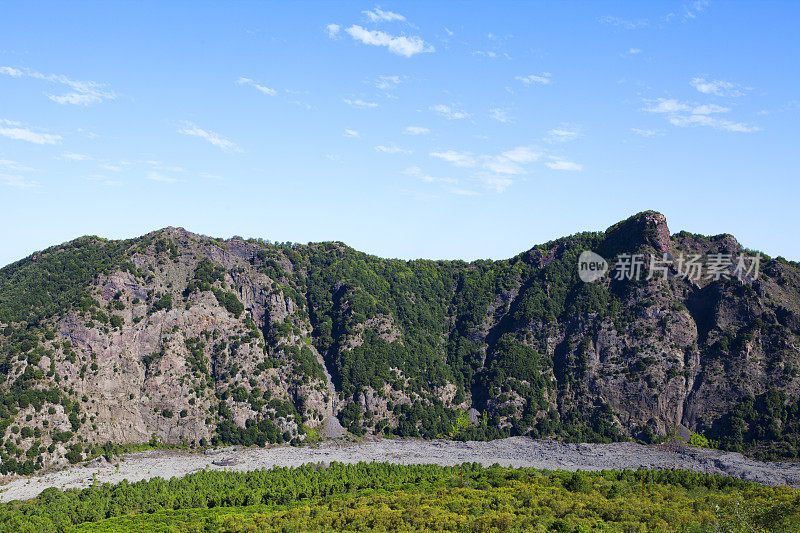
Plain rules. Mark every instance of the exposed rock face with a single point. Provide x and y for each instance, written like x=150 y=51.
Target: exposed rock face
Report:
x=189 y=332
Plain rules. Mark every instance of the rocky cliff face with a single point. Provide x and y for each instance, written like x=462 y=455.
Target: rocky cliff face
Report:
x=180 y=338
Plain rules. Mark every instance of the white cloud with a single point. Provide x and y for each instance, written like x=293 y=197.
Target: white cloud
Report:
x=157 y=176
x=561 y=164
x=562 y=134
x=716 y=123
x=333 y=30
x=522 y=154
x=208 y=176
x=19 y=182
x=16 y=180
x=684 y=114
x=502 y=165
x=378 y=15
x=350 y=133
x=545 y=78
x=387 y=82
x=416 y=130
x=671 y=105
x=450 y=113
x=13 y=72
x=264 y=89
x=392 y=149
x=75 y=99
x=692 y=9
x=462 y=192
x=214 y=138
x=82 y=92
x=16 y=131
x=112 y=168
x=717 y=87
x=498 y=172
x=633 y=51
x=496 y=183
x=99 y=178
x=500 y=115
x=459 y=159
x=402 y=45
x=645 y=132
x=76 y=157
x=14 y=166
x=412 y=171
x=624 y=23
x=434 y=179
x=361 y=104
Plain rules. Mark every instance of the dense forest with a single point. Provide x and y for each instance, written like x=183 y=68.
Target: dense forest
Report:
x=182 y=340
x=385 y=497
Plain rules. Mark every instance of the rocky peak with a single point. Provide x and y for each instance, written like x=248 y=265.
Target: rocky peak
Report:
x=645 y=228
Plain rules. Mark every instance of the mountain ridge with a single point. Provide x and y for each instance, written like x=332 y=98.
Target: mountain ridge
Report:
x=175 y=337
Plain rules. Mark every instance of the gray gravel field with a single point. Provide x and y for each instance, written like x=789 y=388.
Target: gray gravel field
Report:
x=514 y=451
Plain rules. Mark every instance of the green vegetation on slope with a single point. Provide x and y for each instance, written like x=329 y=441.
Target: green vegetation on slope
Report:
x=384 y=497
x=56 y=280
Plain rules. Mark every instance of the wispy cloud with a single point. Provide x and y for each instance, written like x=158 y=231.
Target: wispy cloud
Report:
x=459 y=159
x=15 y=130
x=385 y=83
x=210 y=136
x=351 y=133
x=523 y=154
x=556 y=163
x=81 y=92
x=458 y=191
x=400 y=45
x=716 y=123
x=378 y=15
x=209 y=176
x=545 y=78
x=262 y=88
x=562 y=134
x=671 y=105
x=498 y=172
x=717 y=87
x=359 y=103
x=624 y=23
x=71 y=156
x=633 y=51
x=333 y=30
x=645 y=132
x=103 y=180
x=416 y=130
x=10 y=71
x=450 y=113
x=19 y=182
x=684 y=114
x=13 y=166
x=500 y=115
x=162 y=178
x=392 y=149
x=16 y=180
x=693 y=8
x=502 y=165
x=495 y=183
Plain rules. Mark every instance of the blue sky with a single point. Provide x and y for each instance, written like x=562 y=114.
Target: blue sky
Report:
x=439 y=130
